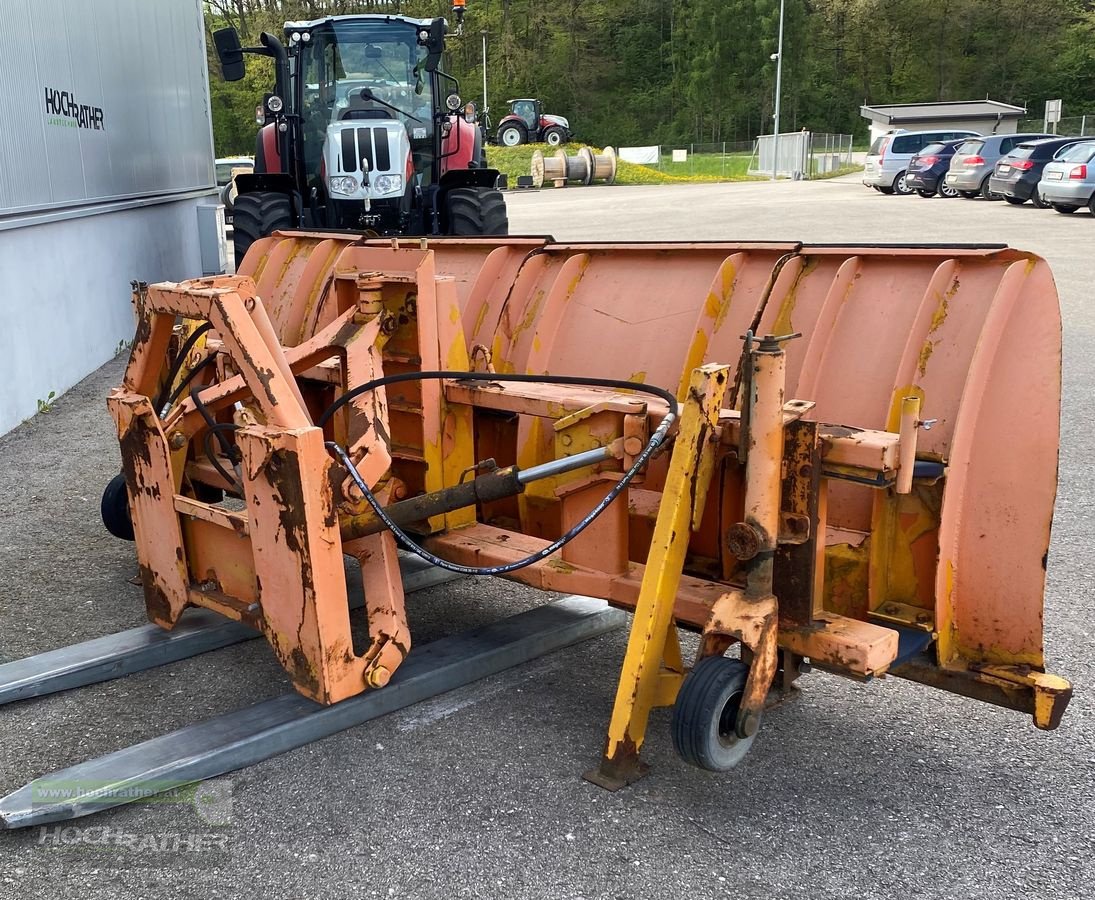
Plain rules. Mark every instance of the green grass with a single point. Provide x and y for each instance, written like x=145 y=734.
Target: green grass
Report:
x=729 y=167
x=516 y=161
x=836 y=173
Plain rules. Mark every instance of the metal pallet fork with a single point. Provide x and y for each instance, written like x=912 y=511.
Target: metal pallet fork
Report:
x=148 y=646
x=245 y=737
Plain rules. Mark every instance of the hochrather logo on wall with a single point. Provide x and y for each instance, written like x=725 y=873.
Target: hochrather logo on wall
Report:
x=62 y=109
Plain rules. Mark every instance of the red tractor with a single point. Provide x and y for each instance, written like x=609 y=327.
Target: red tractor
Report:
x=527 y=123
x=362 y=132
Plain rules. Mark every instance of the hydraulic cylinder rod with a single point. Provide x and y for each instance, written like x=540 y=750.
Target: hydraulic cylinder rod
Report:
x=496 y=485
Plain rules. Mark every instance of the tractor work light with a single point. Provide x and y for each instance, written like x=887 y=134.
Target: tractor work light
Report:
x=275 y=104
x=453 y=102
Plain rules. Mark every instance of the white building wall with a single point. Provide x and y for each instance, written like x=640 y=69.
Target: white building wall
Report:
x=981 y=126
x=108 y=153
x=66 y=295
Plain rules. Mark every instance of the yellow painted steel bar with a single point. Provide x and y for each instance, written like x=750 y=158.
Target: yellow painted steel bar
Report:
x=646 y=648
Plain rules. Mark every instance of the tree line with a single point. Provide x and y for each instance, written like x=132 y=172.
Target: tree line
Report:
x=683 y=71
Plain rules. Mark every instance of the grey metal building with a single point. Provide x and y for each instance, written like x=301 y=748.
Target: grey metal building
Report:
x=982 y=116
x=106 y=153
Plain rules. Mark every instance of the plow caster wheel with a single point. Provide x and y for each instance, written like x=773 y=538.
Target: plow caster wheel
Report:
x=114 y=508
x=705 y=715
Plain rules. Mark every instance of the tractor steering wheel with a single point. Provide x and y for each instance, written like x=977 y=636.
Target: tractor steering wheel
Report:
x=366 y=94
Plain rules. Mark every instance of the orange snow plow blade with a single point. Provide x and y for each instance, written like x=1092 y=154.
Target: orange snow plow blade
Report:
x=861 y=465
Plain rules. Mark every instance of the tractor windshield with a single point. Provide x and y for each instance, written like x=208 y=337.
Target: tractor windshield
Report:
x=366 y=69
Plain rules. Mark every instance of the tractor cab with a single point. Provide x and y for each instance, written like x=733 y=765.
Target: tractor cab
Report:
x=363 y=131
x=527 y=111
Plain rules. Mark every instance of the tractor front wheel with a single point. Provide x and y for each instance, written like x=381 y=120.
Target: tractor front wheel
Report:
x=554 y=136
x=475 y=211
x=256 y=215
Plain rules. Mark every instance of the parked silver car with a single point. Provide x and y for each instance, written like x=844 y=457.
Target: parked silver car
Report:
x=974 y=162
x=1068 y=182
x=889 y=156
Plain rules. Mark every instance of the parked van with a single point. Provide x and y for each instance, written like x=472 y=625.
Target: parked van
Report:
x=889 y=157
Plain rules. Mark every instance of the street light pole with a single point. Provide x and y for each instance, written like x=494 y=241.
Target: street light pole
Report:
x=778 y=57
x=484 y=33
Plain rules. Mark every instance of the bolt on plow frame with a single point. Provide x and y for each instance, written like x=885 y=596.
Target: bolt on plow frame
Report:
x=838 y=457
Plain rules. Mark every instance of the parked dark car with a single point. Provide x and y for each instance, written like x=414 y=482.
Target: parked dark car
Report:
x=975 y=161
x=927 y=168
x=1017 y=175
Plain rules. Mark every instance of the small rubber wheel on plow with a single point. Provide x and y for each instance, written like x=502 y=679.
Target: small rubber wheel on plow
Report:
x=705 y=715
x=114 y=509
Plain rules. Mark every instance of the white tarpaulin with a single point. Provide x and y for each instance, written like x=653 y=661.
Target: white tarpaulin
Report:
x=646 y=156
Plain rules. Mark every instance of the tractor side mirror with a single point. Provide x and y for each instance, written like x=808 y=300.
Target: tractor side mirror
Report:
x=435 y=44
x=230 y=53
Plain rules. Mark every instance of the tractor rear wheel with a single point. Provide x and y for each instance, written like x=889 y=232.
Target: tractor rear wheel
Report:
x=512 y=135
x=474 y=211
x=256 y=215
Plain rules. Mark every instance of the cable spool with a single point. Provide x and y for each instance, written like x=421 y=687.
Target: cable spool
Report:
x=604 y=165
x=578 y=167
x=586 y=154
x=548 y=168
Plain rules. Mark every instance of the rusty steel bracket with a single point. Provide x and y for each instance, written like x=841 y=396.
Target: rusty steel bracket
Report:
x=1039 y=694
x=754 y=622
x=286 y=577
x=800 y=550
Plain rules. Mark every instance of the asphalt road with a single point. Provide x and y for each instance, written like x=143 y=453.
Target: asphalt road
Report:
x=886 y=790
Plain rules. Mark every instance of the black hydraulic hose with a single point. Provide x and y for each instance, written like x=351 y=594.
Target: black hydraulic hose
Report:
x=656 y=440
x=570 y=380
x=178 y=392
x=216 y=429
x=180 y=358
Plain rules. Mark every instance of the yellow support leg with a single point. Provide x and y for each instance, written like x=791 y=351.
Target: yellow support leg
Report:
x=652 y=670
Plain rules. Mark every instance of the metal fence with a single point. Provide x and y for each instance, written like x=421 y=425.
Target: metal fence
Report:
x=802 y=154
x=1069 y=125
x=724 y=159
